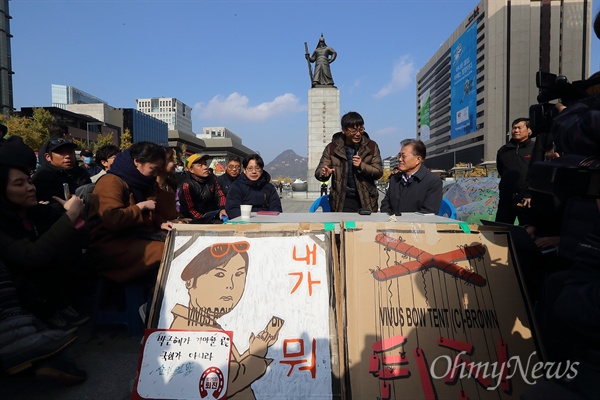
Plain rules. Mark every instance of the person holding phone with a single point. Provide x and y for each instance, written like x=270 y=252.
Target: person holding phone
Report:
x=39 y=245
x=60 y=168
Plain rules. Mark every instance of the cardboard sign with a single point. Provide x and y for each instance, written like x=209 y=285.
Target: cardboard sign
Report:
x=271 y=286
x=435 y=314
x=184 y=365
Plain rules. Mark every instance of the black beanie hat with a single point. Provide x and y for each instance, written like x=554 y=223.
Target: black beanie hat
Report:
x=15 y=153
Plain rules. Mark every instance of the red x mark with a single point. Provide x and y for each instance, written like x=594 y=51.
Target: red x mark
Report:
x=444 y=261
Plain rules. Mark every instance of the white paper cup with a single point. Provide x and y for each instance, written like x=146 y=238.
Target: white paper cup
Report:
x=246 y=209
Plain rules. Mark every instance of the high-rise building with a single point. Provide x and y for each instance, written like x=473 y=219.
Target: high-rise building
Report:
x=483 y=76
x=6 y=72
x=63 y=95
x=170 y=110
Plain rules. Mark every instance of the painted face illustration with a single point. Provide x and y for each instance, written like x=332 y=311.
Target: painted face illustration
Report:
x=222 y=287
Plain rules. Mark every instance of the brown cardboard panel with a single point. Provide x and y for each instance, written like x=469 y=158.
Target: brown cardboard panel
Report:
x=272 y=286
x=418 y=295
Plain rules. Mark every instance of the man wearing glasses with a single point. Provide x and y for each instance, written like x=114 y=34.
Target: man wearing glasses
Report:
x=353 y=163
x=414 y=188
x=232 y=171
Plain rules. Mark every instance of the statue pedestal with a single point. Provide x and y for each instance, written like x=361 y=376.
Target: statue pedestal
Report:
x=323 y=122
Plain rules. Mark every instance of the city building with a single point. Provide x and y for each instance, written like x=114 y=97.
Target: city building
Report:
x=390 y=162
x=63 y=95
x=483 y=76
x=175 y=113
x=144 y=127
x=219 y=142
x=6 y=72
x=218 y=132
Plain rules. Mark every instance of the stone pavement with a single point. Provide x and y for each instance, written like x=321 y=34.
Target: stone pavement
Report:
x=109 y=355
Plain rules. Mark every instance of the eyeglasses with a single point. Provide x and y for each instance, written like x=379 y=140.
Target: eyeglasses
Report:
x=219 y=250
x=405 y=156
x=354 y=131
x=233 y=167
x=254 y=169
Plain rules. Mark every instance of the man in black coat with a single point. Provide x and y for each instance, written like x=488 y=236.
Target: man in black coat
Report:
x=61 y=167
x=232 y=172
x=414 y=188
x=512 y=162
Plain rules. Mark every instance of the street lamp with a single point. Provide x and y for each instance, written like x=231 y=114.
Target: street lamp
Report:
x=87 y=130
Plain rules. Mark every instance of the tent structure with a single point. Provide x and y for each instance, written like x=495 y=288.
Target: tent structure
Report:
x=475 y=198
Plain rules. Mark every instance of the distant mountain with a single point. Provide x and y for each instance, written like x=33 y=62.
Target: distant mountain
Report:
x=288 y=164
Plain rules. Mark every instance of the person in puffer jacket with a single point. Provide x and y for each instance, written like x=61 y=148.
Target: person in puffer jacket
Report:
x=252 y=187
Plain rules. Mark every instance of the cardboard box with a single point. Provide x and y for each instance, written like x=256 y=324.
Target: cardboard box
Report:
x=423 y=298
x=272 y=286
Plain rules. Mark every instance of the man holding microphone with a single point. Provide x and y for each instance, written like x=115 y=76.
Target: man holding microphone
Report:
x=353 y=162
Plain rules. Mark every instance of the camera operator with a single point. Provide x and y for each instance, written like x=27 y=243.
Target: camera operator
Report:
x=569 y=309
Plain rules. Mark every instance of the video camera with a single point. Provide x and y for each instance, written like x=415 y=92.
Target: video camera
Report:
x=577 y=172
x=553 y=87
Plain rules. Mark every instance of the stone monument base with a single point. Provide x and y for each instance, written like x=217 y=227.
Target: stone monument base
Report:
x=323 y=122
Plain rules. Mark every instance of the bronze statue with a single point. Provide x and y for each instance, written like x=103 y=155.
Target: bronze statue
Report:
x=322 y=57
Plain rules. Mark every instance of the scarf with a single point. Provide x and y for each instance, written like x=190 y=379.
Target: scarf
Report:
x=141 y=186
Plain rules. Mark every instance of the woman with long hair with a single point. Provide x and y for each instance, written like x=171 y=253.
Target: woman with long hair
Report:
x=166 y=200
x=129 y=237
x=39 y=245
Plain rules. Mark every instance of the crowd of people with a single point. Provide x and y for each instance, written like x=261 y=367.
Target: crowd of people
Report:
x=68 y=218
x=65 y=222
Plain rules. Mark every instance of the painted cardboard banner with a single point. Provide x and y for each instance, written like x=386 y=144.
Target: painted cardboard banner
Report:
x=271 y=290
x=184 y=365
x=434 y=314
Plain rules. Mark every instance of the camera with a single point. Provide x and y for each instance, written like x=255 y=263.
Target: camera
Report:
x=553 y=87
x=577 y=171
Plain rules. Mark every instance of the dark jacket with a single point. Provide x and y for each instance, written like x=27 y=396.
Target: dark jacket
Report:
x=371 y=169
x=260 y=193
x=198 y=196
x=225 y=181
x=512 y=162
x=422 y=192
x=49 y=180
x=42 y=253
x=92 y=170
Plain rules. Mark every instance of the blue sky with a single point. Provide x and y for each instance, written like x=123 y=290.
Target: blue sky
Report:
x=238 y=64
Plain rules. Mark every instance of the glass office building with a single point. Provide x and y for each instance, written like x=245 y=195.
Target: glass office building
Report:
x=144 y=127
x=63 y=95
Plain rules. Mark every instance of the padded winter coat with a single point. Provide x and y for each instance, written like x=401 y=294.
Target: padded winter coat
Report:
x=261 y=194
x=371 y=169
